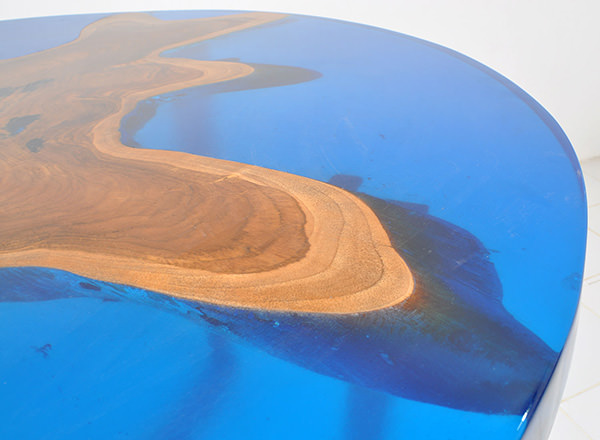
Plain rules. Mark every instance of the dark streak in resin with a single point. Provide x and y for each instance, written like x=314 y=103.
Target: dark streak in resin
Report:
x=90 y=286
x=44 y=350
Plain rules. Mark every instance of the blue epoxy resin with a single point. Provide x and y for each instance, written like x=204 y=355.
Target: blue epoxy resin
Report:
x=475 y=184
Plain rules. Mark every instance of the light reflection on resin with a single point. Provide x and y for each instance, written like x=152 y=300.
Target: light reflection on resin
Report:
x=418 y=137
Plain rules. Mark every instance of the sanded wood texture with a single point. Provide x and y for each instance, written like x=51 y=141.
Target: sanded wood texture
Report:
x=73 y=197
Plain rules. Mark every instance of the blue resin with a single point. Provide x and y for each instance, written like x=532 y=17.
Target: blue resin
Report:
x=417 y=123
x=477 y=187
x=128 y=363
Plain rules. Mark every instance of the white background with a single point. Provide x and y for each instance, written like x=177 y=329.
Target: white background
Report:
x=550 y=48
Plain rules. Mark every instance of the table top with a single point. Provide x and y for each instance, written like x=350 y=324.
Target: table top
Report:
x=232 y=225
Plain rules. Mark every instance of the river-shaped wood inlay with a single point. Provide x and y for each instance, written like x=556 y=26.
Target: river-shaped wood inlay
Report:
x=73 y=197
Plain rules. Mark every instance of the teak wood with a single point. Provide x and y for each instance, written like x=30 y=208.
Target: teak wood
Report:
x=73 y=197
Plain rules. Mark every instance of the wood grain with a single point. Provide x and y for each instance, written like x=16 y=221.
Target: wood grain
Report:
x=73 y=197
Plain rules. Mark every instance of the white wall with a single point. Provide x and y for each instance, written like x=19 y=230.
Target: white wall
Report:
x=550 y=48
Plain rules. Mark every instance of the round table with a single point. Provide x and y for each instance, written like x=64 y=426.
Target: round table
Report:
x=230 y=225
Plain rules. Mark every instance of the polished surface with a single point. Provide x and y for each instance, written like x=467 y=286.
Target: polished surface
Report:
x=274 y=219
x=577 y=418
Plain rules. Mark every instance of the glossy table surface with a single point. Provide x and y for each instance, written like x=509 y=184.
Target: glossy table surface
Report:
x=253 y=225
